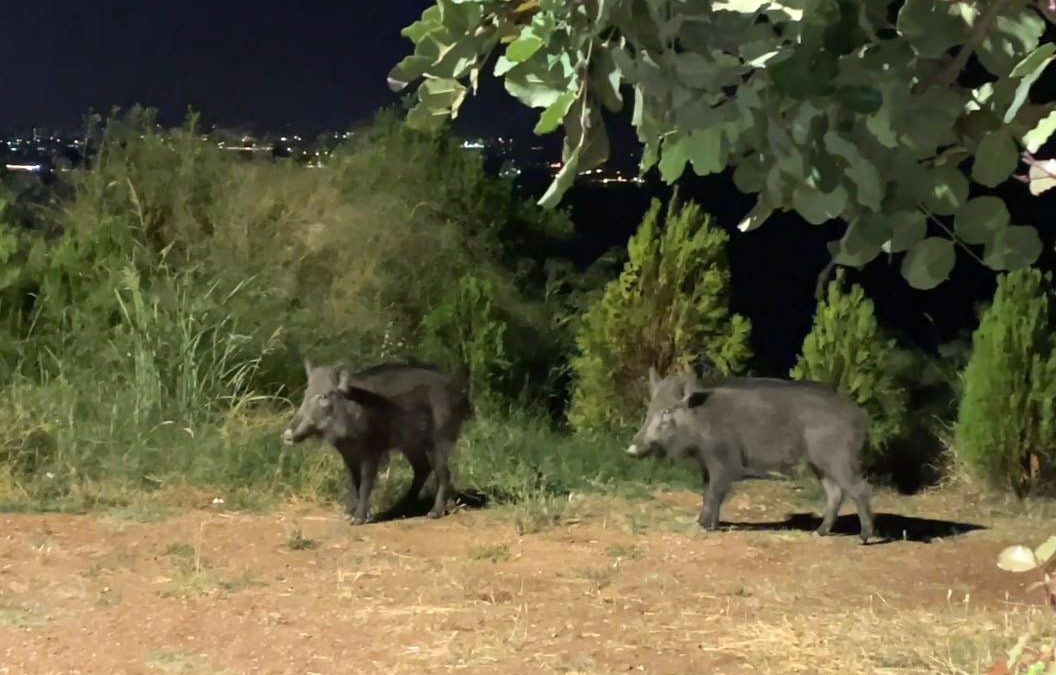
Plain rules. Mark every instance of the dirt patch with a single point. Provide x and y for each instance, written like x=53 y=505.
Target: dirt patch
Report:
x=617 y=586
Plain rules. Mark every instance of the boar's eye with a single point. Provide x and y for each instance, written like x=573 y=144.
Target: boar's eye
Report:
x=665 y=415
x=324 y=401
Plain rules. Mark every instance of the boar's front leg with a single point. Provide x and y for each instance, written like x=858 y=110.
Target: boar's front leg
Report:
x=368 y=467
x=354 y=478
x=718 y=484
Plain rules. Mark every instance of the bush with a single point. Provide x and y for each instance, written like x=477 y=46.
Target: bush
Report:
x=1006 y=424
x=465 y=332
x=846 y=349
x=668 y=309
x=154 y=317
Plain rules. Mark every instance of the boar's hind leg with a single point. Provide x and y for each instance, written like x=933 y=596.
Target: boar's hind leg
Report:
x=438 y=456
x=420 y=464
x=859 y=491
x=834 y=496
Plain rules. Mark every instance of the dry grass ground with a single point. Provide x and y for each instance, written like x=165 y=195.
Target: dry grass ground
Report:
x=613 y=586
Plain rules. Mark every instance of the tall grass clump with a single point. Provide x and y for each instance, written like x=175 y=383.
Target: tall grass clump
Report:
x=154 y=320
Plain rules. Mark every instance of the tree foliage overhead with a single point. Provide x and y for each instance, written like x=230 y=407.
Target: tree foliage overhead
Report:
x=831 y=108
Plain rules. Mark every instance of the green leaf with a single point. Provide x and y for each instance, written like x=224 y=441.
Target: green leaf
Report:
x=503 y=65
x=459 y=17
x=711 y=72
x=1040 y=134
x=524 y=47
x=1016 y=31
x=1043 y=552
x=673 y=157
x=555 y=112
x=456 y=60
x=927 y=120
x=995 y=158
x=406 y=71
x=861 y=171
x=980 y=219
x=1012 y=248
x=756 y=217
x=907 y=228
x=1016 y=559
x=861 y=242
x=929 y=263
x=706 y=151
x=562 y=181
x=1034 y=61
x=538 y=85
x=749 y=174
x=805 y=74
x=816 y=206
x=429 y=22
x=845 y=34
x=1042 y=176
x=606 y=78
x=930 y=27
x=1028 y=71
x=595 y=146
x=949 y=190
x=442 y=93
x=806 y=121
x=860 y=99
x=426 y=118
x=909 y=184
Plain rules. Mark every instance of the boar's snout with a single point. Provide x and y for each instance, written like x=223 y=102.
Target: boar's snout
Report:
x=287 y=437
x=635 y=450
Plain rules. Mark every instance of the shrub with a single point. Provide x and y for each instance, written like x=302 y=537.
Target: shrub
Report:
x=465 y=332
x=159 y=306
x=1006 y=425
x=846 y=349
x=668 y=309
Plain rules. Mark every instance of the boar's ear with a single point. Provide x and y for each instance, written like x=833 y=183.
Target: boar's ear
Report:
x=693 y=395
x=697 y=397
x=365 y=397
x=344 y=380
x=654 y=380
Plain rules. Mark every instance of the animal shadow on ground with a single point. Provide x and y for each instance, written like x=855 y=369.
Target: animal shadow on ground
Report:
x=464 y=499
x=888 y=527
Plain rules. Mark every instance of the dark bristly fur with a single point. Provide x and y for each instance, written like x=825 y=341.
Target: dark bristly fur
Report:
x=749 y=427
x=416 y=408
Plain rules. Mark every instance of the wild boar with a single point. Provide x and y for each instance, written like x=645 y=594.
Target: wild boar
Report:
x=415 y=408
x=750 y=427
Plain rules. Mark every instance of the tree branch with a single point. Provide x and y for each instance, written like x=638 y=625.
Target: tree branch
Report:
x=948 y=75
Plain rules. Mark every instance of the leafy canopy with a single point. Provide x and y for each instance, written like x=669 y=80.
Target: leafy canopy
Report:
x=832 y=108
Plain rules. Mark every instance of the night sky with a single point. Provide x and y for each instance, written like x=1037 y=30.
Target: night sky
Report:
x=310 y=65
